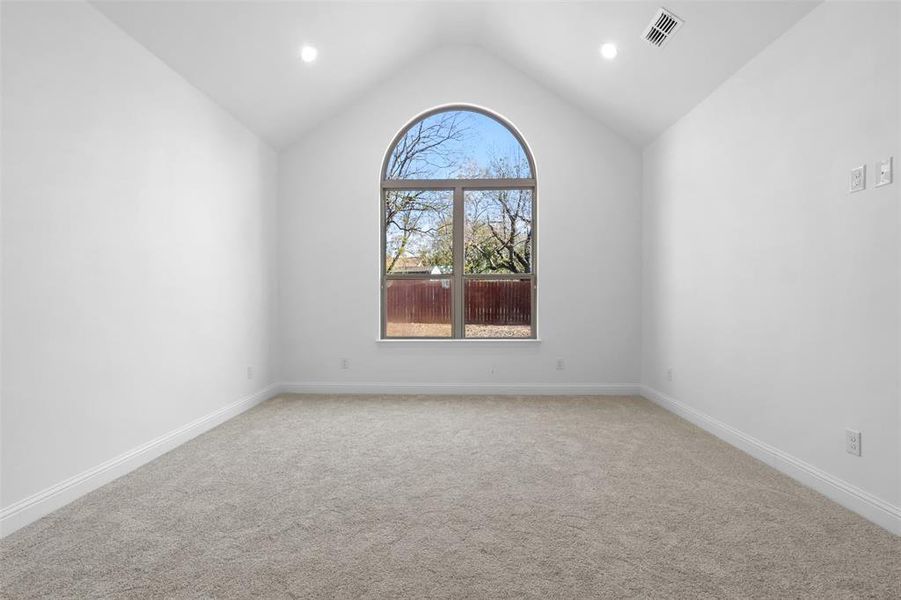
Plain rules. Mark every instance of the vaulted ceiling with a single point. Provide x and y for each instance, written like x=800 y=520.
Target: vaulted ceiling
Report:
x=244 y=55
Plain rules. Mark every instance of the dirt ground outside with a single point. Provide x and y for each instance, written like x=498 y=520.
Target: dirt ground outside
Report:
x=444 y=330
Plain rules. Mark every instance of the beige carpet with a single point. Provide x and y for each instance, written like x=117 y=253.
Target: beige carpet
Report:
x=453 y=497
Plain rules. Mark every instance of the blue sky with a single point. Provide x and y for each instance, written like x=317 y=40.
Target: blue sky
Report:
x=485 y=138
x=489 y=137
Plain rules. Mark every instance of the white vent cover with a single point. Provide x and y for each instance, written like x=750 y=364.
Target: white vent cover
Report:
x=662 y=27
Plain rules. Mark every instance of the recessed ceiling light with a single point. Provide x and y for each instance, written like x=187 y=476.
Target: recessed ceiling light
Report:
x=308 y=54
x=609 y=51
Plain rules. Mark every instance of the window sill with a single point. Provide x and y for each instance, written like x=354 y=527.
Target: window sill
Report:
x=504 y=341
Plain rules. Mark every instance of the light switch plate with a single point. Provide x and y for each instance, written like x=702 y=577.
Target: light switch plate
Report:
x=884 y=172
x=858 y=181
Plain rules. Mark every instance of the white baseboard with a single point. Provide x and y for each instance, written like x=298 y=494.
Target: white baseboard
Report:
x=34 y=507
x=867 y=505
x=475 y=389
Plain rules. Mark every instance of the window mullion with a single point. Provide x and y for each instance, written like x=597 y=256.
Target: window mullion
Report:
x=459 y=217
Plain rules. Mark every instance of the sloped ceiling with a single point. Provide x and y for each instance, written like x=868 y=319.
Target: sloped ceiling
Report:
x=244 y=55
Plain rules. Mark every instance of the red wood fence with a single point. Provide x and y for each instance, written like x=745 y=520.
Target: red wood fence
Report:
x=486 y=302
x=500 y=302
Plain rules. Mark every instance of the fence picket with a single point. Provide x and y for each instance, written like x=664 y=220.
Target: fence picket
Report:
x=486 y=302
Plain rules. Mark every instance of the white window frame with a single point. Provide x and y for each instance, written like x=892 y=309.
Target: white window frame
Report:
x=459 y=187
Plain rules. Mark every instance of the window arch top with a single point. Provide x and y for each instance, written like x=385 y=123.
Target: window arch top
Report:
x=458 y=143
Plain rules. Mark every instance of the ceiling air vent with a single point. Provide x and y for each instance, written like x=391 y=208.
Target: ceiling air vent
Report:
x=661 y=28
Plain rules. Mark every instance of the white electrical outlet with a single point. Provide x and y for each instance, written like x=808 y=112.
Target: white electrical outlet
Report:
x=852 y=442
x=858 y=181
x=560 y=364
x=669 y=374
x=249 y=372
x=345 y=364
x=884 y=172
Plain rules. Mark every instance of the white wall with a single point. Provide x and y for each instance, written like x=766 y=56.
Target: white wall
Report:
x=589 y=243
x=771 y=292
x=136 y=244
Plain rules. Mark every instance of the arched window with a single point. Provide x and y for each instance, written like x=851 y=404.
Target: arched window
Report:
x=458 y=229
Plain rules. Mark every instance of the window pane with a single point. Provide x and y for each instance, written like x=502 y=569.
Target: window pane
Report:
x=498 y=308
x=497 y=231
x=418 y=308
x=456 y=144
x=419 y=231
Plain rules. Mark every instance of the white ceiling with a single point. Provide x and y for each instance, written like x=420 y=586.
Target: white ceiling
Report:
x=244 y=54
